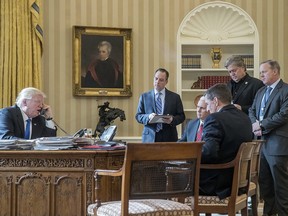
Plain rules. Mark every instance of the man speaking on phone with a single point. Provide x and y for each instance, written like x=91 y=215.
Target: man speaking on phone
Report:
x=29 y=118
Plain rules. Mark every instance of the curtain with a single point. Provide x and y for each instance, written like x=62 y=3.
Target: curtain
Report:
x=20 y=47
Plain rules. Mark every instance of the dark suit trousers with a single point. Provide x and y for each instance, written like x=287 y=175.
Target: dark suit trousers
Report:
x=273 y=182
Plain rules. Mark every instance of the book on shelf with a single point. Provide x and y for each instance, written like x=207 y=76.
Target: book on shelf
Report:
x=248 y=60
x=191 y=61
x=208 y=81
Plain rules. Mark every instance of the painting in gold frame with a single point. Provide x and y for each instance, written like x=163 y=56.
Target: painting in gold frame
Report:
x=102 y=61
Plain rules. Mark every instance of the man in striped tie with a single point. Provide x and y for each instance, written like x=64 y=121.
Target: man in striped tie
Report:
x=164 y=102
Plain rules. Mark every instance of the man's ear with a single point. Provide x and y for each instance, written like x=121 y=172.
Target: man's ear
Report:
x=216 y=101
x=24 y=102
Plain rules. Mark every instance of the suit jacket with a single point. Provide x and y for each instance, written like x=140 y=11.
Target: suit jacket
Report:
x=12 y=125
x=246 y=92
x=275 y=120
x=190 y=131
x=223 y=133
x=173 y=106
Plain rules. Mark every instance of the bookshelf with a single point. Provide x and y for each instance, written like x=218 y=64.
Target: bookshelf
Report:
x=227 y=28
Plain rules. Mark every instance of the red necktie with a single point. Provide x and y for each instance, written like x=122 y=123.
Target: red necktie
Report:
x=199 y=132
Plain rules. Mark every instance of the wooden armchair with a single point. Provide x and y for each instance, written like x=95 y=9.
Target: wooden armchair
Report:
x=253 y=187
x=241 y=180
x=145 y=186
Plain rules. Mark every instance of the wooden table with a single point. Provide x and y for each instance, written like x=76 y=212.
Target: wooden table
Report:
x=56 y=183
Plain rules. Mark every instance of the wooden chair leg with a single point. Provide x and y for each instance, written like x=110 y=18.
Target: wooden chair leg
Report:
x=254 y=202
x=244 y=211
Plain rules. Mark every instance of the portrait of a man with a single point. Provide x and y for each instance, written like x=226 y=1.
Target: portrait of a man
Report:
x=102 y=63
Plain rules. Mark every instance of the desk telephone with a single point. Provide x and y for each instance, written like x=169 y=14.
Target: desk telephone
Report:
x=107 y=135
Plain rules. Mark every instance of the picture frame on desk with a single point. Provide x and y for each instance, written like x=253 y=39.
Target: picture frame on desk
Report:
x=102 y=61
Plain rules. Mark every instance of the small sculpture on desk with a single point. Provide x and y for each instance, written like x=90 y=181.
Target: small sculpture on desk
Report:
x=197 y=84
x=106 y=116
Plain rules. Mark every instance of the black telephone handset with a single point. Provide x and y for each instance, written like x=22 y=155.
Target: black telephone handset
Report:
x=80 y=133
x=43 y=111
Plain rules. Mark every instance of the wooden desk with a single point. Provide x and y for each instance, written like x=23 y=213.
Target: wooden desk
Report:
x=55 y=183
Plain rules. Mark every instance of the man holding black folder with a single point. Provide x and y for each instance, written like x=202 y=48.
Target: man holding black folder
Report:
x=160 y=111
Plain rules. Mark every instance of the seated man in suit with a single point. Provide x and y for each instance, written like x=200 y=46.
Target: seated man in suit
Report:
x=193 y=131
x=14 y=120
x=225 y=128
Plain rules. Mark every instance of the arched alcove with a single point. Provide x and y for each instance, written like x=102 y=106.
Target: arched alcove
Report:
x=220 y=25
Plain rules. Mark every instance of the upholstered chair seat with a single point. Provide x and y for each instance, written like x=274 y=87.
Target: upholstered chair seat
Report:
x=145 y=207
x=156 y=179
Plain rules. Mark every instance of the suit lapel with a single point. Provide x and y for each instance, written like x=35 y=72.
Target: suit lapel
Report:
x=242 y=87
x=20 y=121
x=152 y=94
x=259 y=100
x=166 y=104
x=272 y=95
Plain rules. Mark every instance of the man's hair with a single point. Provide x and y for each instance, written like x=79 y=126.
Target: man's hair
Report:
x=163 y=71
x=28 y=93
x=220 y=91
x=235 y=60
x=273 y=64
x=107 y=44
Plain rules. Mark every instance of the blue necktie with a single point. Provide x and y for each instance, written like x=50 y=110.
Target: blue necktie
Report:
x=264 y=101
x=27 y=130
x=159 y=110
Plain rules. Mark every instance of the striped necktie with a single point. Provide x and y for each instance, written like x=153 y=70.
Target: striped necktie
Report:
x=158 y=110
x=27 y=130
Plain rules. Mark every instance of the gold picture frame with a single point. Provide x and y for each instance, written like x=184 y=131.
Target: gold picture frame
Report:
x=95 y=74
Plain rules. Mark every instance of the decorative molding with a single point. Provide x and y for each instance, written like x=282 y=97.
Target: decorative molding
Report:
x=217 y=21
x=36 y=162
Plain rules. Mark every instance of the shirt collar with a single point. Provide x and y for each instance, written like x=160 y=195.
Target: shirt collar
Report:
x=25 y=117
x=274 y=84
x=162 y=91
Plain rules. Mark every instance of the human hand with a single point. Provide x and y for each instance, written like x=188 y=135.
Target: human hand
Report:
x=48 y=112
x=256 y=128
x=238 y=106
x=168 y=120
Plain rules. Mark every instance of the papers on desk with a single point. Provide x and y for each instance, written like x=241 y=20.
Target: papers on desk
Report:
x=159 y=119
x=13 y=144
x=54 y=143
x=61 y=143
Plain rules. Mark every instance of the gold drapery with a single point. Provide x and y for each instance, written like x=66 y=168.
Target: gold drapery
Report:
x=20 y=47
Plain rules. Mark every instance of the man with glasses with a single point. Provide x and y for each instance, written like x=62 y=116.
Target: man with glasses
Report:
x=164 y=102
x=242 y=86
x=29 y=118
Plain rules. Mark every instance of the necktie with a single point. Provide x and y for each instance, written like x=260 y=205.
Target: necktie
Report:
x=199 y=133
x=159 y=110
x=27 y=130
x=264 y=101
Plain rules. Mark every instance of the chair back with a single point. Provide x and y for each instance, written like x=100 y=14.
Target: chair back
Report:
x=146 y=166
x=256 y=161
x=240 y=184
x=242 y=170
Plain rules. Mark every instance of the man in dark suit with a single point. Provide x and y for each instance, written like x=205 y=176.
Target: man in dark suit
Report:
x=224 y=130
x=243 y=87
x=29 y=104
x=270 y=122
x=194 y=126
x=171 y=105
